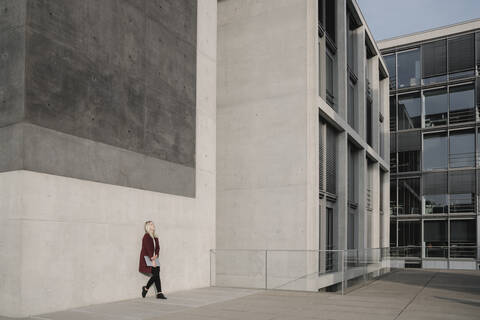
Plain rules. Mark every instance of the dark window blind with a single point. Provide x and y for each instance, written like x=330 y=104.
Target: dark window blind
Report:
x=461 y=182
x=461 y=53
x=435 y=183
x=409 y=141
x=435 y=231
x=331 y=160
x=393 y=142
x=478 y=91
x=463 y=230
x=320 y=156
x=434 y=59
x=477 y=36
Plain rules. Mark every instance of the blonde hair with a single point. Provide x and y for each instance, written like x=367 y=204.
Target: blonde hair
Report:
x=148 y=229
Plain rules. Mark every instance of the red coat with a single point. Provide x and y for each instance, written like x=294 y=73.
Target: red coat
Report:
x=147 y=250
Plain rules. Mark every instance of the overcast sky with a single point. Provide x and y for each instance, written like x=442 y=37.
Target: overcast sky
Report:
x=391 y=18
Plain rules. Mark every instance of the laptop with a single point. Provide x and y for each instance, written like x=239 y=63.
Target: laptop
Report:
x=149 y=262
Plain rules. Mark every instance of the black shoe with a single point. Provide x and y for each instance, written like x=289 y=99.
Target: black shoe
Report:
x=161 y=296
x=144 y=291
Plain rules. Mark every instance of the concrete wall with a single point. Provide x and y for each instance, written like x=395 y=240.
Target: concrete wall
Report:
x=269 y=101
x=261 y=125
x=68 y=242
x=120 y=73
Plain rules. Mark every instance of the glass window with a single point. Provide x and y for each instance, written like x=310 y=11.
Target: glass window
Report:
x=330 y=17
x=434 y=62
x=409 y=111
x=393 y=113
x=351 y=49
x=463 y=232
x=331 y=164
x=369 y=116
x=393 y=233
x=462 y=104
x=409 y=150
x=461 y=54
x=330 y=82
x=409 y=235
x=435 y=237
x=391 y=66
x=351 y=105
x=463 y=238
x=351 y=175
x=408 y=68
x=478 y=149
x=321 y=10
x=436 y=108
x=409 y=200
x=461 y=186
x=435 y=193
x=462 y=148
x=435 y=151
x=393 y=196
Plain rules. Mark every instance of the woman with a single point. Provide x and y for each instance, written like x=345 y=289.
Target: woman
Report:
x=150 y=251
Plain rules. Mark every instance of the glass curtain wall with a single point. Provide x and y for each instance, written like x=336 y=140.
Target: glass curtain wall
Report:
x=435 y=144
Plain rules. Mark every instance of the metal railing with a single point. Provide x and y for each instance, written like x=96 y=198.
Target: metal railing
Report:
x=316 y=270
x=430 y=251
x=301 y=270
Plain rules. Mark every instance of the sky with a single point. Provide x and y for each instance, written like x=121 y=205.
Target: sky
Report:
x=391 y=18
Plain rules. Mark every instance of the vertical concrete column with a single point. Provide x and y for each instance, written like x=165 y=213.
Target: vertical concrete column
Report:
x=361 y=84
x=384 y=109
x=376 y=206
x=375 y=102
x=341 y=41
x=362 y=199
x=386 y=210
x=322 y=216
x=312 y=137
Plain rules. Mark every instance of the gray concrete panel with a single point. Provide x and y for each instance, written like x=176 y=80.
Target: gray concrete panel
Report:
x=11 y=157
x=12 y=64
x=89 y=64
x=12 y=14
x=53 y=152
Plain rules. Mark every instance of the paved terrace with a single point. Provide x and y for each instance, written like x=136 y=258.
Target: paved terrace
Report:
x=411 y=294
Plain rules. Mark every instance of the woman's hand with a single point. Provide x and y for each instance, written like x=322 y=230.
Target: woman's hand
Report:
x=154 y=263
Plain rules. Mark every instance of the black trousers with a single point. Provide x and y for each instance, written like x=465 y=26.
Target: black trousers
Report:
x=155 y=278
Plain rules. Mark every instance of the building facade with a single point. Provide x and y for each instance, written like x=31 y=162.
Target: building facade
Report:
x=113 y=113
x=435 y=140
x=302 y=98
x=107 y=120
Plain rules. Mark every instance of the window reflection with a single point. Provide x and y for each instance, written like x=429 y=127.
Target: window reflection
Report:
x=435 y=150
x=393 y=197
x=435 y=237
x=462 y=149
x=409 y=111
x=409 y=196
x=408 y=68
x=462 y=191
x=409 y=150
x=392 y=72
x=436 y=108
x=330 y=84
x=462 y=104
x=409 y=234
x=435 y=193
x=463 y=238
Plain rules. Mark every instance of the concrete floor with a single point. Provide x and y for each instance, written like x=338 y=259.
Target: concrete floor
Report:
x=411 y=294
